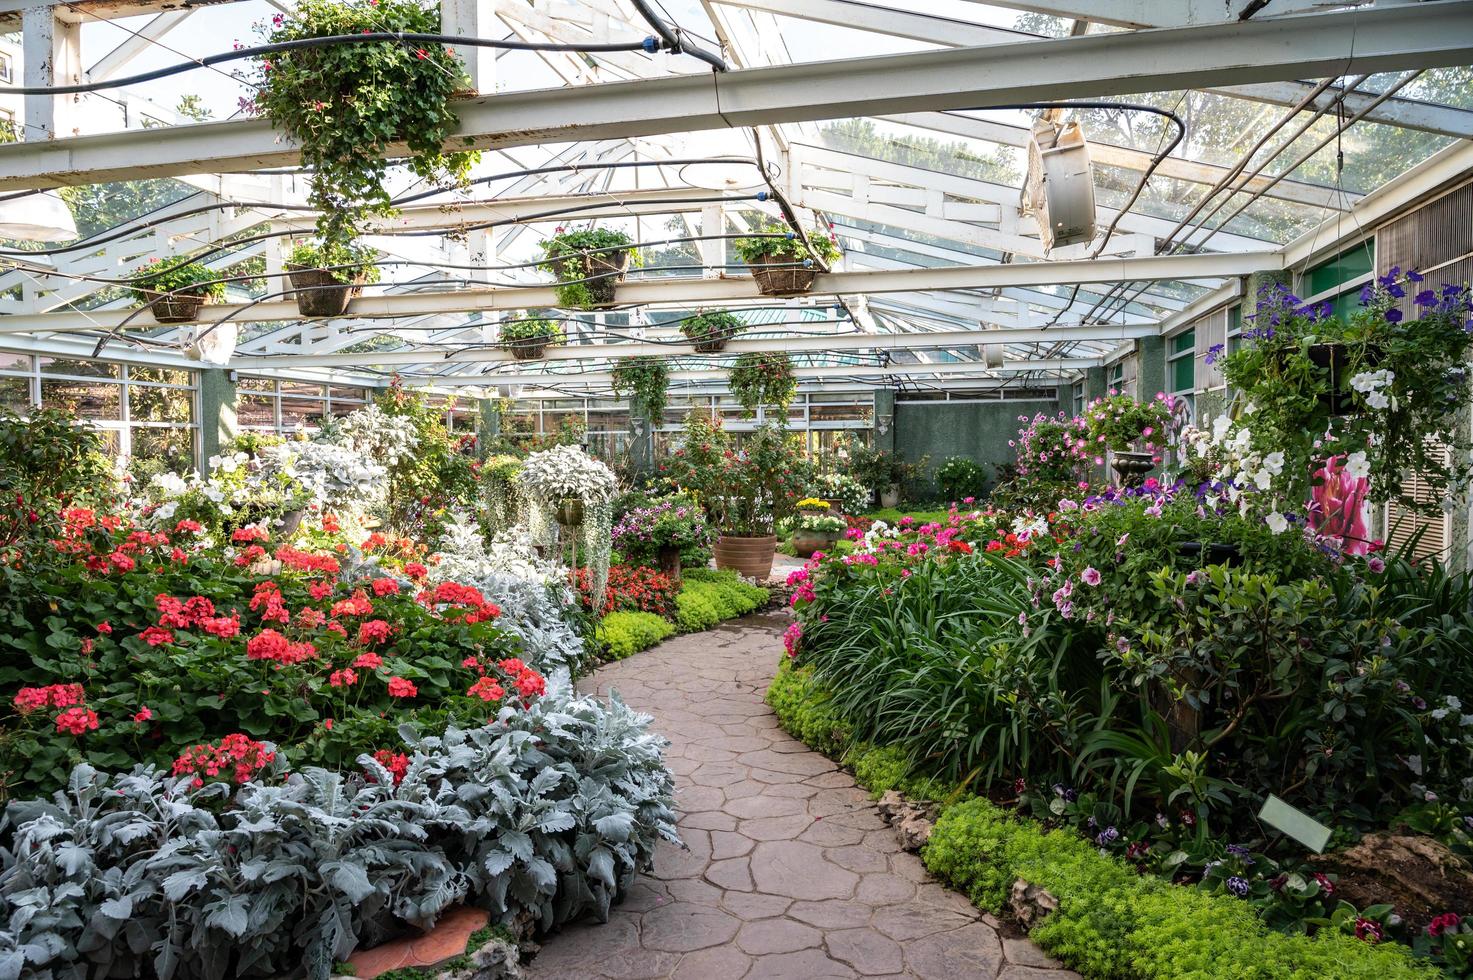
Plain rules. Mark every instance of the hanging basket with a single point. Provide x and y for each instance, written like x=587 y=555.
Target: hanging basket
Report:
x=779 y=275
x=713 y=342
x=528 y=348
x=609 y=267
x=1335 y=359
x=569 y=512
x=175 y=308
x=319 y=293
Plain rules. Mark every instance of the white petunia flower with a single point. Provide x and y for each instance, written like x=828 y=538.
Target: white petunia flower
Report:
x=1357 y=466
x=1277 y=522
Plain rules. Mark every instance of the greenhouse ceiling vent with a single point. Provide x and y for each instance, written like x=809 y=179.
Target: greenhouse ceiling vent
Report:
x=1060 y=189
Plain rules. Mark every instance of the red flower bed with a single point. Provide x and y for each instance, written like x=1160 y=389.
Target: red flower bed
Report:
x=632 y=588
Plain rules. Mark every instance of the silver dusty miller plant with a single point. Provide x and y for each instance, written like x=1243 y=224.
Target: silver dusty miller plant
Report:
x=540 y=817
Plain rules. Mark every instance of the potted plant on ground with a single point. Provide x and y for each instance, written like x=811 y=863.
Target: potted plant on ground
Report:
x=782 y=262
x=669 y=534
x=354 y=108
x=763 y=379
x=1378 y=389
x=745 y=491
x=175 y=289
x=1135 y=432
x=646 y=379
x=325 y=276
x=528 y=337
x=709 y=332
x=587 y=266
x=816 y=527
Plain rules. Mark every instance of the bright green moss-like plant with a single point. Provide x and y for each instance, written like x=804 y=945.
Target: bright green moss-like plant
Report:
x=805 y=712
x=624 y=634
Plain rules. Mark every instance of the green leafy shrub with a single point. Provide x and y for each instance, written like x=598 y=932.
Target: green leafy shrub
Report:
x=959 y=478
x=647 y=380
x=624 y=634
x=715 y=325
x=47 y=463
x=542 y=817
x=176 y=275
x=346 y=104
x=348 y=261
x=583 y=264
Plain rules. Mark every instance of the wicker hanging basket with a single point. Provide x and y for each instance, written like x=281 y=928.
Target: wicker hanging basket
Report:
x=782 y=275
x=319 y=293
x=528 y=348
x=175 y=308
x=610 y=268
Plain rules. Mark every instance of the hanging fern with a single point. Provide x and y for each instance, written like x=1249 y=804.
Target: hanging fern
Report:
x=763 y=379
x=647 y=379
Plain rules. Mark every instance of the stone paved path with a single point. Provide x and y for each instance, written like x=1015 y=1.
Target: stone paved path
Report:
x=791 y=873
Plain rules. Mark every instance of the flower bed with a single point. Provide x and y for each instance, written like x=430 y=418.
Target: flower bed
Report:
x=1092 y=666
x=288 y=875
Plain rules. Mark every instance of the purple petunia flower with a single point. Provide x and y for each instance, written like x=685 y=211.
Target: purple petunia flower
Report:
x=1393 y=316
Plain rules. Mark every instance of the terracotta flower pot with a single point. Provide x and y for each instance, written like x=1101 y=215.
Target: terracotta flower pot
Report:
x=748 y=555
x=176 y=308
x=805 y=543
x=782 y=275
x=319 y=293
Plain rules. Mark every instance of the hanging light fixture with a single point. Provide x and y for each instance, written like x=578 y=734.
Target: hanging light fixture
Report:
x=37 y=218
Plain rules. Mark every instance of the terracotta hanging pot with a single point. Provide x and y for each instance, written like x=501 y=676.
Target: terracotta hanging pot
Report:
x=748 y=555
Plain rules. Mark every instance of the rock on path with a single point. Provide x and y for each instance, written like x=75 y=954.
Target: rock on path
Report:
x=791 y=873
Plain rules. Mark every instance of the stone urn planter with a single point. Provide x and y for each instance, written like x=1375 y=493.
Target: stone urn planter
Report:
x=319 y=293
x=782 y=275
x=289 y=523
x=1132 y=467
x=890 y=497
x=569 y=512
x=175 y=308
x=748 y=555
x=667 y=559
x=805 y=542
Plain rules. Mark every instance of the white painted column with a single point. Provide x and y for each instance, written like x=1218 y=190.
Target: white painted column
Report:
x=473 y=18
x=712 y=251
x=53 y=56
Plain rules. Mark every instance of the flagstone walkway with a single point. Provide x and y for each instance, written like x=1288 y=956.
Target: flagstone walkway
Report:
x=791 y=873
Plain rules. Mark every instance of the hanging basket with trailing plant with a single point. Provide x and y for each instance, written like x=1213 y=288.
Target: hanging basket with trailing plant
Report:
x=353 y=108
x=709 y=332
x=782 y=263
x=763 y=379
x=325 y=277
x=587 y=266
x=646 y=379
x=175 y=289
x=528 y=337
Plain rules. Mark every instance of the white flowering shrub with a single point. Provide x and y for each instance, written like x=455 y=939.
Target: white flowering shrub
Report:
x=384 y=438
x=541 y=818
x=337 y=477
x=566 y=471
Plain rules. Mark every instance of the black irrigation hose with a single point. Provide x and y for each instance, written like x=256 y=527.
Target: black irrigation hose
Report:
x=670 y=36
x=649 y=44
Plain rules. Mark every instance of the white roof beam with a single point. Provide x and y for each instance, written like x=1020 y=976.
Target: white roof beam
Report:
x=693 y=291
x=1403 y=36
x=1162 y=13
